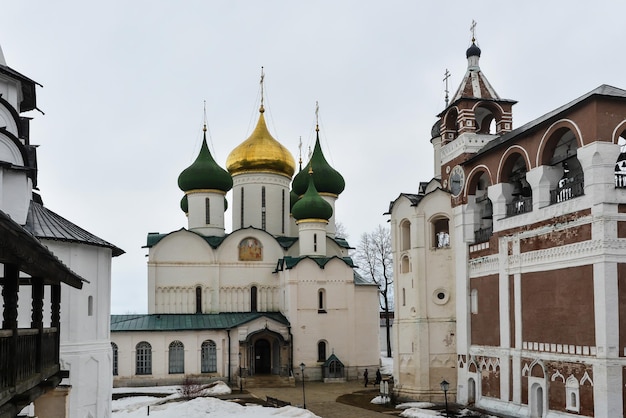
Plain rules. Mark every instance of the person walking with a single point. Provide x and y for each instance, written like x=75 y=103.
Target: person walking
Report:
x=365 y=377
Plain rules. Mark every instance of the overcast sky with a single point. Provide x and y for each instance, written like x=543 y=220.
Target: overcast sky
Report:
x=124 y=85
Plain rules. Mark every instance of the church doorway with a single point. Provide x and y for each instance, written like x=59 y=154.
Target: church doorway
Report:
x=471 y=391
x=262 y=356
x=536 y=404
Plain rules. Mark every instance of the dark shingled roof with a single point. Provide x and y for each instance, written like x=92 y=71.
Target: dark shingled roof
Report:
x=604 y=90
x=43 y=223
x=29 y=101
x=189 y=322
x=19 y=246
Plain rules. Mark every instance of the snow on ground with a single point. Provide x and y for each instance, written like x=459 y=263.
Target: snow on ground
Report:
x=408 y=405
x=171 y=406
x=419 y=413
x=214 y=407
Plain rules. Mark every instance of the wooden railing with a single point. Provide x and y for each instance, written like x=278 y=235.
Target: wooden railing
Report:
x=28 y=358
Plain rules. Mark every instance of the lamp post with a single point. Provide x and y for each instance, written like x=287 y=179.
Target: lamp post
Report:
x=445 y=386
x=240 y=380
x=302 y=374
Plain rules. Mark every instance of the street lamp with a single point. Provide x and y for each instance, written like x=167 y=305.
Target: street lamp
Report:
x=240 y=380
x=445 y=386
x=302 y=374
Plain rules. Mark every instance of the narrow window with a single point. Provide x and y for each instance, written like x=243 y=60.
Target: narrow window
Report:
x=253 y=299
x=321 y=301
x=176 y=357
x=283 y=213
x=474 y=301
x=263 y=208
x=315 y=242
x=207 y=209
x=198 y=299
x=208 y=354
x=90 y=306
x=242 y=205
x=405 y=235
x=114 y=348
x=143 y=358
x=321 y=351
x=403 y=296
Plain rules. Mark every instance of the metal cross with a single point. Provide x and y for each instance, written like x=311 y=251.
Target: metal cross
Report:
x=445 y=78
x=473 y=30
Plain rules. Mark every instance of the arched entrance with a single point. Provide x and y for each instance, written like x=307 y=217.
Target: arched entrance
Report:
x=262 y=356
x=265 y=352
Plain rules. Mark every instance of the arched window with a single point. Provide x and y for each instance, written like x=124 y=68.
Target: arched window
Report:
x=405 y=235
x=405 y=268
x=572 y=394
x=321 y=351
x=143 y=358
x=314 y=242
x=321 y=301
x=198 y=299
x=571 y=183
x=263 y=208
x=90 y=306
x=177 y=358
x=208 y=357
x=521 y=199
x=441 y=230
x=253 y=299
x=620 y=165
x=114 y=349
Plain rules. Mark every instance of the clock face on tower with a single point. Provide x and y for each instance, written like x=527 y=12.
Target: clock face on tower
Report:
x=457 y=180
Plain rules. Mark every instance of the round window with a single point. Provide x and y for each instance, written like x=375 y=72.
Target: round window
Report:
x=441 y=296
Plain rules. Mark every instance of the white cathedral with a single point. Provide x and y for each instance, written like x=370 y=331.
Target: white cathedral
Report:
x=278 y=296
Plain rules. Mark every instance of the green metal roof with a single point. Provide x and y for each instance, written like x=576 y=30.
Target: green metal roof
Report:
x=188 y=322
x=291 y=262
x=362 y=281
x=154 y=238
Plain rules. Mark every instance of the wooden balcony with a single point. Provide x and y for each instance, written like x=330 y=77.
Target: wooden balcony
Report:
x=29 y=353
x=27 y=360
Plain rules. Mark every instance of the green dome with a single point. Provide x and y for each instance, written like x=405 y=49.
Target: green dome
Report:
x=326 y=178
x=184 y=204
x=204 y=173
x=311 y=205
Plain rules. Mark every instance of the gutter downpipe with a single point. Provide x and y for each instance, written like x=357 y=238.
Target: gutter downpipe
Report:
x=291 y=351
x=229 y=355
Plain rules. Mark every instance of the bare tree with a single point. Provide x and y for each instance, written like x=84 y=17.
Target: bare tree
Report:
x=373 y=258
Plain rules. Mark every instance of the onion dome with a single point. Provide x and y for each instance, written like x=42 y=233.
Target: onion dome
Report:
x=184 y=204
x=472 y=51
x=326 y=178
x=204 y=173
x=311 y=205
x=261 y=153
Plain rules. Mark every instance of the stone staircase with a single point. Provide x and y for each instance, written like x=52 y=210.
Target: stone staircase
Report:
x=268 y=381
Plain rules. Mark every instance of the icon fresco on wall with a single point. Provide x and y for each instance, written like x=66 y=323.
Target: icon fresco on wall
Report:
x=250 y=250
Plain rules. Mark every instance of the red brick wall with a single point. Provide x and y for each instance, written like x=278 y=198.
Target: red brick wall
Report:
x=557 y=306
x=486 y=323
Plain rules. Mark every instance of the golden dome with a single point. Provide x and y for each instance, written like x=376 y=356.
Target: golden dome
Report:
x=261 y=152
